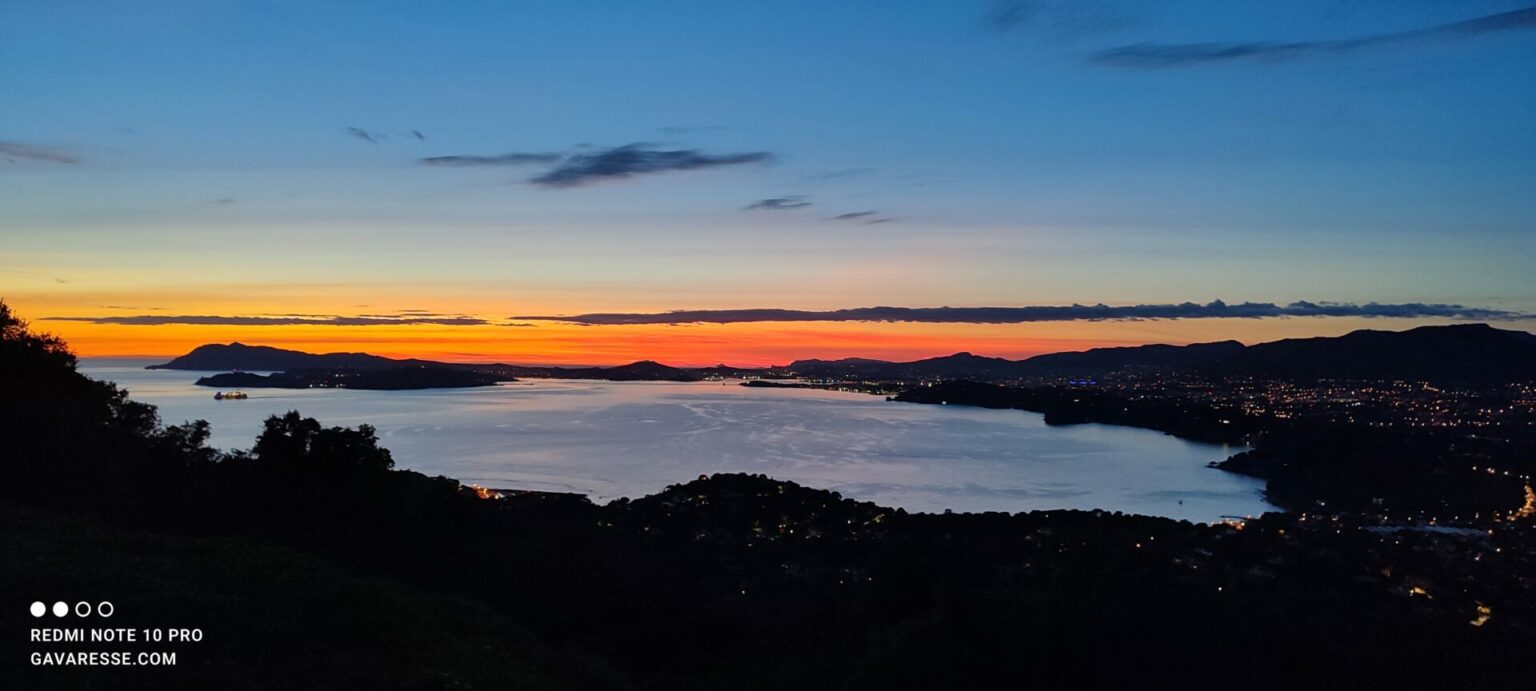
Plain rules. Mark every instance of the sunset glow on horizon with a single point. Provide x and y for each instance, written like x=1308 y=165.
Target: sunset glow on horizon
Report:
x=744 y=344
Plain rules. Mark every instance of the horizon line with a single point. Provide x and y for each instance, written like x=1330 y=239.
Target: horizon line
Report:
x=479 y=360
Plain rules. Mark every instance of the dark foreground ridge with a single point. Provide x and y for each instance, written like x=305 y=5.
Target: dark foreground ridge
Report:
x=312 y=564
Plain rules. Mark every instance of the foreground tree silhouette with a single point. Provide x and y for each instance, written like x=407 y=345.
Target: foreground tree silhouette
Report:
x=301 y=443
x=59 y=428
x=24 y=348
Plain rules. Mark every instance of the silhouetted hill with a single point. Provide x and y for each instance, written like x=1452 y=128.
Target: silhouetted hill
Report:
x=239 y=356
x=1460 y=353
x=963 y=365
x=1099 y=361
x=847 y=362
x=959 y=365
x=972 y=365
x=1088 y=363
x=644 y=370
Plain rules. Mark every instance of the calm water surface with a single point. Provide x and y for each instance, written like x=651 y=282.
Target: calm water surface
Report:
x=613 y=439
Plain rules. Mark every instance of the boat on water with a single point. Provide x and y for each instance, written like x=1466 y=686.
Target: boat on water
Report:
x=231 y=396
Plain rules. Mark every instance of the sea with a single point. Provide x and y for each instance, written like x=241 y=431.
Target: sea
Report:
x=629 y=439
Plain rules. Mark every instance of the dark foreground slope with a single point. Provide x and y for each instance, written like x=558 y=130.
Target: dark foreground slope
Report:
x=272 y=617
x=310 y=563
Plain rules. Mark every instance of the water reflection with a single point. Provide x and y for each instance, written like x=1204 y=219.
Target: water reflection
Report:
x=612 y=439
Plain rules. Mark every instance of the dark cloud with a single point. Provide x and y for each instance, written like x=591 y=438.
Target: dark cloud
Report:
x=636 y=159
x=794 y=201
x=365 y=135
x=877 y=221
x=13 y=151
x=854 y=215
x=285 y=320
x=418 y=135
x=519 y=324
x=1161 y=55
x=56 y=279
x=512 y=159
x=1019 y=315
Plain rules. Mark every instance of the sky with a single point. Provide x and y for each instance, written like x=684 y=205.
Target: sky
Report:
x=535 y=182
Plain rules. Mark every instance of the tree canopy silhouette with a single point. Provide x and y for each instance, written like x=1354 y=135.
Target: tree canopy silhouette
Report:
x=295 y=441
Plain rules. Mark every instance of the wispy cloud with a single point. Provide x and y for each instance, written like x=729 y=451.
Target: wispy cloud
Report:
x=17 y=151
x=365 y=135
x=512 y=159
x=636 y=159
x=1041 y=313
x=280 y=320
x=1165 y=55
x=794 y=201
x=854 y=215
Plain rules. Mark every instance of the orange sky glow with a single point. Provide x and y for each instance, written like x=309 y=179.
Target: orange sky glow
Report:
x=744 y=344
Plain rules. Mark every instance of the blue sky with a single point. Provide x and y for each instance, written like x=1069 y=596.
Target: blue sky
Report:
x=1017 y=153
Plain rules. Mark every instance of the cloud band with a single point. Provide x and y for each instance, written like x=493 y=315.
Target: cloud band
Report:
x=1165 y=55
x=1019 y=315
x=291 y=320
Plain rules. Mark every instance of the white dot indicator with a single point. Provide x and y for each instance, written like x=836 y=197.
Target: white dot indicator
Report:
x=60 y=609
x=39 y=609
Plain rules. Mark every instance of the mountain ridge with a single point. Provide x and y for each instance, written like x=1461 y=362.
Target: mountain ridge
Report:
x=1451 y=353
x=1457 y=352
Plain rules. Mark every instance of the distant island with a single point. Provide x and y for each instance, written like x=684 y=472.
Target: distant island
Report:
x=382 y=379
x=770 y=384
x=300 y=370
